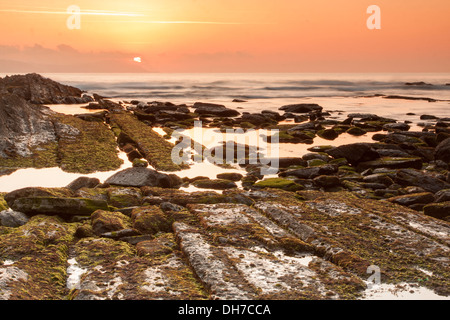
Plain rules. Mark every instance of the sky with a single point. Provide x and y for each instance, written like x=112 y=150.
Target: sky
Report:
x=329 y=36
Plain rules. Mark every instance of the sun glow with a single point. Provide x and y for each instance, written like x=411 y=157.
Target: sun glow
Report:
x=137 y=59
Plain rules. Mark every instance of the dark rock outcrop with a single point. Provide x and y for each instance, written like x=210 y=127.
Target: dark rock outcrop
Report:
x=140 y=177
x=39 y=90
x=214 y=110
x=442 y=151
x=23 y=126
x=301 y=108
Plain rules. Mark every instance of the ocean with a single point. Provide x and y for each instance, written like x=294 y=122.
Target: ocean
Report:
x=339 y=94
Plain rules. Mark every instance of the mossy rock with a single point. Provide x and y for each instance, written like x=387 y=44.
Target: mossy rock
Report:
x=39 y=250
x=150 y=220
x=438 y=210
x=162 y=245
x=316 y=163
x=124 y=197
x=64 y=207
x=3 y=204
x=278 y=183
x=216 y=184
x=106 y=221
x=37 y=192
x=328 y=134
x=356 y=131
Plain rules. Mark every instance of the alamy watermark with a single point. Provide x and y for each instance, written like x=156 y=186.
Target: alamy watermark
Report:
x=375 y=279
x=374 y=21
x=74 y=19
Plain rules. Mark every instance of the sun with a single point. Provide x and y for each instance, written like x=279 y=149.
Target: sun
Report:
x=137 y=59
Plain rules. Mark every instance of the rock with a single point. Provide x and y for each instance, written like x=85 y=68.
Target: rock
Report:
x=419 y=83
x=12 y=219
x=139 y=177
x=310 y=173
x=65 y=207
x=382 y=178
x=216 y=184
x=278 y=183
x=12 y=196
x=273 y=115
x=255 y=118
x=301 y=108
x=425 y=180
x=168 y=206
x=106 y=221
x=140 y=163
x=327 y=181
x=39 y=90
x=356 y=131
x=83 y=182
x=160 y=246
x=214 y=109
x=315 y=156
x=410 y=199
x=328 y=134
x=150 y=220
x=442 y=196
x=124 y=197
x=442 y=151
x=396 y=127
x=23 y=127
x=438 y=210
x=354 y=153
x=391 y=163
x=428 y=117
x=232 y=176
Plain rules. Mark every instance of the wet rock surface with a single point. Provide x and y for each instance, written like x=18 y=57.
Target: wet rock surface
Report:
x=259 y=244
x=311 y=230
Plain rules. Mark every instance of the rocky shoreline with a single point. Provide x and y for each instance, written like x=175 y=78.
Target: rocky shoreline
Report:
x=310 y=232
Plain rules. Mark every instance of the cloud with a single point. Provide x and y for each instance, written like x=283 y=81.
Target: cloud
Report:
x=65 y=58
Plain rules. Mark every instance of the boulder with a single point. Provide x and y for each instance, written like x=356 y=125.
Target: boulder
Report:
x=11 y=197
x=438 y=210
x=442 y=151
x=278 y=183
x=391 y=163
x=65 y=207
x=354 y=152
x=12 y=219
x=150 y=220
x=106 y=221
x=425 y=180
x=23 y=126
x=216 y=184
x=217 y=110
x=310 y=173
x=301 y=108
x=442 y=196
x=140 y=177
x=232 y=176
x=39 y=90
x=83 y=182
x=410 y=199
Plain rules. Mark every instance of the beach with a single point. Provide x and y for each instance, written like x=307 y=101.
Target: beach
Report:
x=224 y=186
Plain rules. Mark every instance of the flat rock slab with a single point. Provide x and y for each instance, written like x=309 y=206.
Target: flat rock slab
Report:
x=58 y=206
x=280 y=245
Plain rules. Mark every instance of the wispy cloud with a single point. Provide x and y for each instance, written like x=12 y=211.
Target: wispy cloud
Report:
x=187 y=22
x=83 y=12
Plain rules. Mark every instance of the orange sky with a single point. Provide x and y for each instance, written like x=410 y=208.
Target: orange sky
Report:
x=225 y=36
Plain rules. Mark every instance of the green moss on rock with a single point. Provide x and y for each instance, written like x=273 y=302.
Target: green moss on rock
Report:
x=279 y=183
